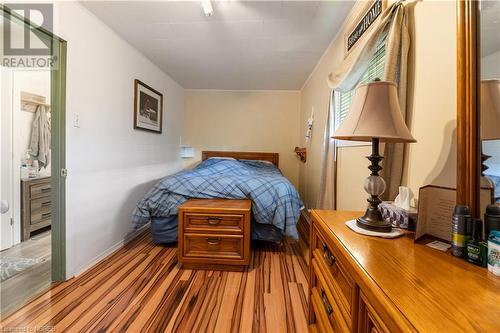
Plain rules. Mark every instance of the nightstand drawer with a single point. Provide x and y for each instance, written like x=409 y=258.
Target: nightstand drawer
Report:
x=196 y=222
x=213 y=246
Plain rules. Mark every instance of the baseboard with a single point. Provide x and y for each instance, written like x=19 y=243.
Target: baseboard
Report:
x=127 y=239
x=303 y=225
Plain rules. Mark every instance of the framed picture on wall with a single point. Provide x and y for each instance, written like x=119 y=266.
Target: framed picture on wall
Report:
x=148 y=108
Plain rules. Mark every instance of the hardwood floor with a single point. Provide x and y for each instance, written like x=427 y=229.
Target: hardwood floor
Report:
x=21 y=287
x=141 y=288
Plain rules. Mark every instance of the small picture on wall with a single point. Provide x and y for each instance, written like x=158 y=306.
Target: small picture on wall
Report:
x=148 y=108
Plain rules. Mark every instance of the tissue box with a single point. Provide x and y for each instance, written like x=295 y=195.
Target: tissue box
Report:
x=400 y=218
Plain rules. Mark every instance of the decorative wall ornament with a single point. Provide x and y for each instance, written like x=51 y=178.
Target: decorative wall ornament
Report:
x=301 y=153
x=363 y=22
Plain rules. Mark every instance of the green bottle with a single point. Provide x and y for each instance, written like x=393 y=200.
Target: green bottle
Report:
x=477 y=249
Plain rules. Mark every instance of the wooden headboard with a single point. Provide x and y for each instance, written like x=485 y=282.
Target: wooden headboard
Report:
x=241 y=155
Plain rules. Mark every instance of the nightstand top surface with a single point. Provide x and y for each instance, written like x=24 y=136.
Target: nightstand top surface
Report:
x=229 y=204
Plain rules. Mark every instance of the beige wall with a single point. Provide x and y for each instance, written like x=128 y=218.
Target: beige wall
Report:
x=266 y=121
x=432 y=94
x=352 y=169
x=432 y=86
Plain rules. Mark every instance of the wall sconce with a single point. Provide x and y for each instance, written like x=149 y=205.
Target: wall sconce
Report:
x=301 y=153
x=187 y=151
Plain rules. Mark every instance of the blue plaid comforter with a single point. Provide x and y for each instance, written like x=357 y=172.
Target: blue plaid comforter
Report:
x=275 y=200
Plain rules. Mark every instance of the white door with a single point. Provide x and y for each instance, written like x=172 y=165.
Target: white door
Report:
x=6 y=158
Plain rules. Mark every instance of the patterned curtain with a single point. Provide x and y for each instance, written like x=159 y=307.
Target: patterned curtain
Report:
x=326 y=198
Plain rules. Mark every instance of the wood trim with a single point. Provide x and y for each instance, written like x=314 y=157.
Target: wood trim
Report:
x=58 y=160
x=239 y=155
x=468 y=143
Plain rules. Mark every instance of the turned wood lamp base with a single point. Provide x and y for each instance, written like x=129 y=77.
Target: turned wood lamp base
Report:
x=374 y=185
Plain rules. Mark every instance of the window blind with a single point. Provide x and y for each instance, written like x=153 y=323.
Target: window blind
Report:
x=375 y=70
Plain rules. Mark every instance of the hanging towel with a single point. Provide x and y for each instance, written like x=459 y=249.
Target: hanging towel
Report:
x=40 y=137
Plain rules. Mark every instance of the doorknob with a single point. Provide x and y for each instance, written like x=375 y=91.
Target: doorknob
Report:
x=4 y=206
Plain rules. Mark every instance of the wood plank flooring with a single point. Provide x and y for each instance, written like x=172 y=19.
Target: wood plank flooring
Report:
x=140 y=288
x=21 y=287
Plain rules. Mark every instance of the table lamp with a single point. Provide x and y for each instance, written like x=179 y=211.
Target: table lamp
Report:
x=374 y=116
x=490 y=109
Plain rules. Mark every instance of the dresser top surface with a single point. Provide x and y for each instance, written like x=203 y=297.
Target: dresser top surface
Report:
x=432 y=289
x=39 y=178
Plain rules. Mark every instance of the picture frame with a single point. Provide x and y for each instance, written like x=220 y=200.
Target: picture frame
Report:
x=435 y=209
x=148 y=108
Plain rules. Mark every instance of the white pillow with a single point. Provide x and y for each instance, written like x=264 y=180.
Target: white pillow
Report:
x=222 y=158
x=262 y=161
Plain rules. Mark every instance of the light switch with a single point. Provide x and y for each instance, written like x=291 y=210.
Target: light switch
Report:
x=76 y=120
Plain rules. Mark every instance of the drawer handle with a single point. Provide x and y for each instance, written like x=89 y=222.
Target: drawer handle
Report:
x=326 y=304
x=213 y=220
x=330 y=259
x=213 y=241
x=44 y=215
x=47 y=189
x=45 y=204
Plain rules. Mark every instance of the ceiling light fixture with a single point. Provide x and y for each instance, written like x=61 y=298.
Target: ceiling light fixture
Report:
x=207 y=7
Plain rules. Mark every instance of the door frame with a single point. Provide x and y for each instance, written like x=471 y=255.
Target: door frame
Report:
x=58 y=143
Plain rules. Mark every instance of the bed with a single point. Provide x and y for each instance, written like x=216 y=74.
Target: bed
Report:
x=276 y=203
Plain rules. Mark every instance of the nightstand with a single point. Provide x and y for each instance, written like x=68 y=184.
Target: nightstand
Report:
x=214 y=234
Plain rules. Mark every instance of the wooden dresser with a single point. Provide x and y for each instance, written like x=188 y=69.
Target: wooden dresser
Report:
x=36 y=205
x=214 y=234
x=368 y=284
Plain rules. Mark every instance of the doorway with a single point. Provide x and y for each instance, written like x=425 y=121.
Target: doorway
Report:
x=32 y=167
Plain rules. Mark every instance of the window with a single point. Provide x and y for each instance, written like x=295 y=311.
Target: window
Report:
x=342 y=101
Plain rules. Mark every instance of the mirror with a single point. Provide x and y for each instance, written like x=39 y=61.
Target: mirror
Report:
x=489 y=102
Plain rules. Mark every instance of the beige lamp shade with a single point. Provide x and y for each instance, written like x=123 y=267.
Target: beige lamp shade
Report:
x=490 y=109
x=375 y=113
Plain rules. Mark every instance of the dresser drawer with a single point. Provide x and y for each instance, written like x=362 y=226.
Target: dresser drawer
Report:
x=330 y=301
x=196 y=222
x=213 y=246
x=40 y=190
x=41 y=216
x=321 y=311
x=40 y=204
x=336 y=276
x=369 y=320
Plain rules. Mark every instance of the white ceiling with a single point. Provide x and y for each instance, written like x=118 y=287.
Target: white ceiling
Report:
x=244 y=45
